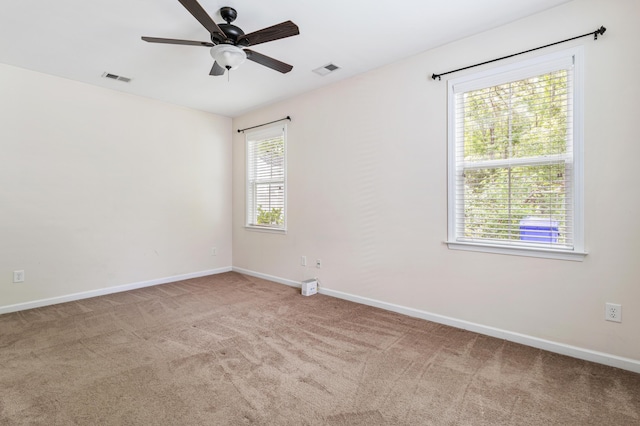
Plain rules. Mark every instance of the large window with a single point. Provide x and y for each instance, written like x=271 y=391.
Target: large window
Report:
x=515 y=159
x=266 y=178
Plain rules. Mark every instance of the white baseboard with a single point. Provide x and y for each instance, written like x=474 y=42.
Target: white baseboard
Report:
x=279 y=280
x=548 y=345
x=108 y=290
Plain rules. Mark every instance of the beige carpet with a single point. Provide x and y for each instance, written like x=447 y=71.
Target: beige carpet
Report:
x=232 y=350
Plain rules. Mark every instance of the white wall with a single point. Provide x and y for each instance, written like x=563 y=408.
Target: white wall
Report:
x=101 y=189
x=367 y=191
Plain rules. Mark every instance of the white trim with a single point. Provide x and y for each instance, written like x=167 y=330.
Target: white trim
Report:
x=578 y=149
x=527 y=251
x=535 y=342
x=108 y=290
x=265 y=229
x=278 y=280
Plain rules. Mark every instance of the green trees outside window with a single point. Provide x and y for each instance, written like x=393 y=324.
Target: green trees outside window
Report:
x=266 y=178
x=514 y=154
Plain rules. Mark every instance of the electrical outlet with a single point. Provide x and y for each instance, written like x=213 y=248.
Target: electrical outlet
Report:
x=214 y=251
x=318 y=263
x=18 y=276
x=303 y=260
x=613 y=312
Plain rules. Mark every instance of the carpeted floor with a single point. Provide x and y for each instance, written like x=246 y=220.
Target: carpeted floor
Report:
x=231 y=350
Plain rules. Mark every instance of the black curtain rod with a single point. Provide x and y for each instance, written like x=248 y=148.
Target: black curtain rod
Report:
x=595 y=33
x=264 y=124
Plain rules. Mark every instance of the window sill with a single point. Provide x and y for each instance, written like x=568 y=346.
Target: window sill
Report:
x=265 y=229
x=518 y=251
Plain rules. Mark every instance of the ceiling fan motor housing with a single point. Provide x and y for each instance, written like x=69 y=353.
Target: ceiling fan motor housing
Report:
x=231 y=32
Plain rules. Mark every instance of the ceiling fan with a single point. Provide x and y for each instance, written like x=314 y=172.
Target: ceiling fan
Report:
x=228 y=42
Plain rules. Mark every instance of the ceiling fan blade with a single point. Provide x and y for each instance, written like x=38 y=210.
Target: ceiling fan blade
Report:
x=176 y=41
x=268 y=62
x=276 y=32
x=216 y=69
x=203 y=17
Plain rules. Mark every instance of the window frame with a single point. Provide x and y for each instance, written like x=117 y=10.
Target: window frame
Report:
x=501 y=75
x=264 y=133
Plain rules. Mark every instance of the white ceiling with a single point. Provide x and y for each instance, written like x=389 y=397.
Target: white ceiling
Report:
x=82 y=39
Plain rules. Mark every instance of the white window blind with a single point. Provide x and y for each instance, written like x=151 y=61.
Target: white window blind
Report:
x=266 y=177
x=513 y=163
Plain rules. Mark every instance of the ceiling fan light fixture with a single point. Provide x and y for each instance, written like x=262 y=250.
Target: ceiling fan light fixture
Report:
x=228 y=56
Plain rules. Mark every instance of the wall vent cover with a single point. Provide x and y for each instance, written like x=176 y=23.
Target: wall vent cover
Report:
x=116 y=77
x=326 y=69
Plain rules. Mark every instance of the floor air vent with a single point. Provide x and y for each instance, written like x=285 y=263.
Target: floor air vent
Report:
x=116 y=77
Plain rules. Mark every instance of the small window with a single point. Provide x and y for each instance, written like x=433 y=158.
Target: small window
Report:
x=266 y=178
x=515 y=159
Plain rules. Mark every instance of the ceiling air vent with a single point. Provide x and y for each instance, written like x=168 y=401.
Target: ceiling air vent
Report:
x=116 y=77
x=326 y=69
